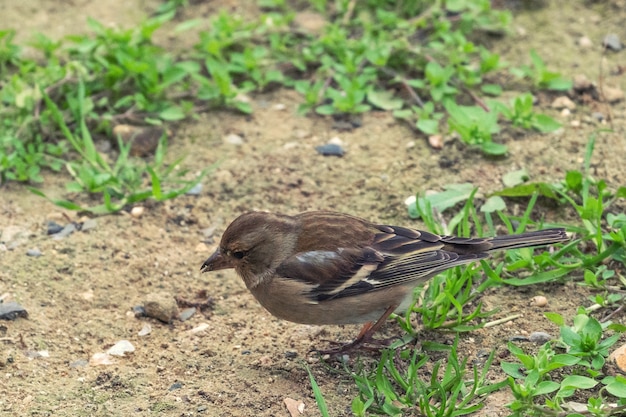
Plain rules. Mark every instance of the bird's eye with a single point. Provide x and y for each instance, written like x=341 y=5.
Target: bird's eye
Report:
x=238 y=254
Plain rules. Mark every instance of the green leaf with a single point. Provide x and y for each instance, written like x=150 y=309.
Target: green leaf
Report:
x=492 y=148
x=555 y=318
x=172 y=113
x=546 y=387
x=617 y=388
x=579 y=382
x=453 y=194
x=428 y=126
x=513 y=178
x=493 y=203
x=384 y=100
x=491 y=89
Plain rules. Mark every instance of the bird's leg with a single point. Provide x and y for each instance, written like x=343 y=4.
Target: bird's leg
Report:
x=365 y=335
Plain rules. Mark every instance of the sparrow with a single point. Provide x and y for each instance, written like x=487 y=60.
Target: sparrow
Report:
x=325 y=267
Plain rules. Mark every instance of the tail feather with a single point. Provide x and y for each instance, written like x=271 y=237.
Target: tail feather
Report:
x=529 y=239
x=476 y=245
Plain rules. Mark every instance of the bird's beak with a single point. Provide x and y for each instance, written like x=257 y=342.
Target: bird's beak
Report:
x=216 y=261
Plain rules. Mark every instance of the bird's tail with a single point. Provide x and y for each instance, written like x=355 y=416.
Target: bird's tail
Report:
x=482 y=245
x=528 y=239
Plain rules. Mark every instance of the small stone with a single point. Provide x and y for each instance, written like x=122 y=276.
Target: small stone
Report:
x=80 y=363
x=539 y=301
x=539 y=337
x=618 y=357
x=100 y=359
x=139 y=311
x=137 y=211
x=294 y=407
x=144 y=140
x=175 y=386
x=120 y=348
x=566 y=113
x=279 y=107
x=234 y=139
x=12 y=310
x=435 y=141
x=582 y=83
x=195 y=190
x=612 y=94
x=563 y=102
x=612 y=42
x=187 y=313
x=200 y=328
x=145 y=330
x=575 y=123
x=335 y=141
x=330 y=150
x=67 y=230
x=53 y=228
x=598 y=116
x=291 y=354
x=161 y=306
x=585 y=42
x=88 y=225
x=35 y=252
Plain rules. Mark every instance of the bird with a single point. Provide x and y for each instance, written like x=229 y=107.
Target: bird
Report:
x=325 y=267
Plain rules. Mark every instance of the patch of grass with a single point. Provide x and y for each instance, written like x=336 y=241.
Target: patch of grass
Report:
x=362 y=59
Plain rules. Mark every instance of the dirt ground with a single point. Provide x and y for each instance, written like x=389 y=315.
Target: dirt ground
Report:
x=79 y=294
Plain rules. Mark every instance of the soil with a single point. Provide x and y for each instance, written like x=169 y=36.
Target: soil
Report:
x=80 y=293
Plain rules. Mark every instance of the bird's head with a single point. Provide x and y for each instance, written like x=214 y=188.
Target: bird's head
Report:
x=254 y=244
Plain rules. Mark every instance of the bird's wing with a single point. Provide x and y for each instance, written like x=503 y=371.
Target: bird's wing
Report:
x=395 y=256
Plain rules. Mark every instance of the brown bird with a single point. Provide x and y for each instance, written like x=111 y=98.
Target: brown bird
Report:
x=324 y=267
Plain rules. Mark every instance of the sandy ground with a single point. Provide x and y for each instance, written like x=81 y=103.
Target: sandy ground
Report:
x=79 y=294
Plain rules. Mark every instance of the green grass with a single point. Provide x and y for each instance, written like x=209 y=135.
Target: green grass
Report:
x=365 y=58
x=82 y=86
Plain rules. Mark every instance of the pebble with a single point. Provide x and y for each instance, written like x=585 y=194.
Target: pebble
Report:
x=101 y=358
x=88 y=225
x=145 y=330
x=200 y=328
x=12 y=310
x=161 y=306
x=195 y=190
x=234 y=139
x=539 y=301
x=612 y=94
x=582 y=83
x=330 y=150
x=563 y=102
x=80 y=363
x=618 y=357
x=612 y=42
x=67 y=230
x=144 y=140
x=137 y=211
x=294 y=407
x=35 y=252
x=540 y=337
x=139 y=311
x=598 y=116
x=436 y=141
x=121 y=348
x=53 y=228
x=310 y=22
x=585 y=42
x=175 y=386
x=187 y=313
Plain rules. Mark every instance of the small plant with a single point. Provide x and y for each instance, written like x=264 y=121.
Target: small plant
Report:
x=542 y=382
x=521 y=114
x=475 y=126
x=400 y=384
x=540 y=76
